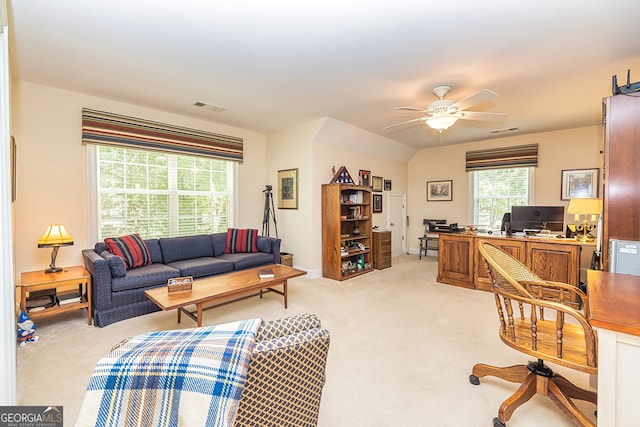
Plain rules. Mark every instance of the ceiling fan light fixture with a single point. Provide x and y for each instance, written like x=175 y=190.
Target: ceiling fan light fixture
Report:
x=441 y=123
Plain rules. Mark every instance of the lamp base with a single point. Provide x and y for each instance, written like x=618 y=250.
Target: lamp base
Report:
x=583 y=230
x=585 y=238
x=53 y=270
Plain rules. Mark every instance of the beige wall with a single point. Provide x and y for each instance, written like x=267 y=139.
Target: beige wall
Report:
x=567 y=149
x=52 y=172
x=315 y=148
x=292 y=149
x=52 y=168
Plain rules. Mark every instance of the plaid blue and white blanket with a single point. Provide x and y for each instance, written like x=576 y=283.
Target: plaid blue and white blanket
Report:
x=188 y=377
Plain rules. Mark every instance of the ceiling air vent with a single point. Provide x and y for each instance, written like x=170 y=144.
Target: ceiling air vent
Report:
x=216 y=108
x=505 y=130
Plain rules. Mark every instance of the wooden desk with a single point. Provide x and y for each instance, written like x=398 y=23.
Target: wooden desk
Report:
x=460 y=262
x=614 y=308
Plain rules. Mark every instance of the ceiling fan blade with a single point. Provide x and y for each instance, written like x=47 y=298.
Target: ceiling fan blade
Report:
x=482 y=116
x=411 y=109
x=405 y=122
x=478 y=98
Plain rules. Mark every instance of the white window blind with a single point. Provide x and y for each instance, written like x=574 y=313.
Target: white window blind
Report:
x=496 y=190
x=160 y=194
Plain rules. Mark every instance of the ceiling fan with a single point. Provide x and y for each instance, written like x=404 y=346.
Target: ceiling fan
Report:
x=443 y=113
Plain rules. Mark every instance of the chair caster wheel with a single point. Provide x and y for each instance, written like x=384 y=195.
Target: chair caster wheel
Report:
x=474 y=380
x=498 y=423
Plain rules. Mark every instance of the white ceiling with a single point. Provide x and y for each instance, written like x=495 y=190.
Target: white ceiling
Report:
x=274 y=64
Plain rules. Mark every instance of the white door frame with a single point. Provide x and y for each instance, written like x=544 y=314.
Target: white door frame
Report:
x=7 y=286
x=403 y=199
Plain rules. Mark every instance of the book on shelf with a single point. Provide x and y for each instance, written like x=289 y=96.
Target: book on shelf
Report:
x=69 y=298
x=39 y=300
x=355 y=197
x=42 y=293
x=266 y=273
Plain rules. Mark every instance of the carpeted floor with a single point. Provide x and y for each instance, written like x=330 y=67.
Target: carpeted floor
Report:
x=402 y=349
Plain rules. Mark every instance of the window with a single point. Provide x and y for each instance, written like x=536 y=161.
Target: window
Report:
x=160 y=194
x=496 y=190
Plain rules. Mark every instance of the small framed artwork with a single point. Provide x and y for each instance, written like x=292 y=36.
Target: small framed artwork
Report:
x=387 y=185
x=365 y=178
x=288 y=189
x=377 y=183
x=377 y=203
x=579 y=183
x=439 y=191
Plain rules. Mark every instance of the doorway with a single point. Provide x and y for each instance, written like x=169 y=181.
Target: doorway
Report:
x=397 y=212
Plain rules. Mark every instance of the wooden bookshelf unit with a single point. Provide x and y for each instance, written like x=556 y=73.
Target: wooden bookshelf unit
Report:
x=346 y=231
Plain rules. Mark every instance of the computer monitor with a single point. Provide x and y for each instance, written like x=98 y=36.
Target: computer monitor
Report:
x=537 y=218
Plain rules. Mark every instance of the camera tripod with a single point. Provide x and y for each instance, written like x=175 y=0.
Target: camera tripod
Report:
x=269 y=211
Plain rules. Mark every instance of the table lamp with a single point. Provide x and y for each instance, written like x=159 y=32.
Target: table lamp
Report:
x=55 y=236
x=585 y=206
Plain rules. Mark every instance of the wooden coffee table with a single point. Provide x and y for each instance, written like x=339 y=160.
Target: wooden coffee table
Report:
x=211 y=292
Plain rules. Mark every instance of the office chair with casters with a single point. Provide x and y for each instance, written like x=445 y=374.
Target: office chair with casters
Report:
x=566 y=338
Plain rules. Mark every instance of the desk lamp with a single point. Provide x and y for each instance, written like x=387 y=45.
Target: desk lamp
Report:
x=585 y=206
x=55 y=236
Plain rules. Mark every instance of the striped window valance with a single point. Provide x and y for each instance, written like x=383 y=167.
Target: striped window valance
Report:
x=99 y=127
x=504 y=157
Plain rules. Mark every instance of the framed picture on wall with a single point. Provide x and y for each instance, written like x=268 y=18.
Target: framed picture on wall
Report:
x=439 y=191
x=377 y=183
x=288 y=189
x=579 y=183
x=365 y=178
x=387 y=185
x=377 y=203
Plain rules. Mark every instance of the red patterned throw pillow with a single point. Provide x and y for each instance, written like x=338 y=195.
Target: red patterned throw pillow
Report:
x=240 y=240
x=131 y=249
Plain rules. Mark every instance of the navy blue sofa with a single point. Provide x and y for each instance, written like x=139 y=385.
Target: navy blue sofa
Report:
x=118 y=294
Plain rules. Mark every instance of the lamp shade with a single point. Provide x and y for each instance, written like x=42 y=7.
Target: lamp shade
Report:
x=56 y=235
x=441 y=123
x=585 y=206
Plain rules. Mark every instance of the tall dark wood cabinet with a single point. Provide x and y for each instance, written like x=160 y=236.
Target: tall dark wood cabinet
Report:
x=621 y=216
x=381 y=249
x=346 y=231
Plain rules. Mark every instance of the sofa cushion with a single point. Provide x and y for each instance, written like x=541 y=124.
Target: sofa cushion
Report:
x=154 y=251
x=199 y=267
x=144 y=277
x=219 y=242
x=100 y=247
x=116 y=264
x=187 y=247
x=241 y=240
x=131 y=248
x=264 y=244
x=248 y=260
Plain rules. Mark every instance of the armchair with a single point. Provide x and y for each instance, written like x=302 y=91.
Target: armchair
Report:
x=286 y=374
x=567 y=339
x=245 y=373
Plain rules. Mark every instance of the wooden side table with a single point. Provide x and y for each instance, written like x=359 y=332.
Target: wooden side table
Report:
x=74 y=278
x=428 y=242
